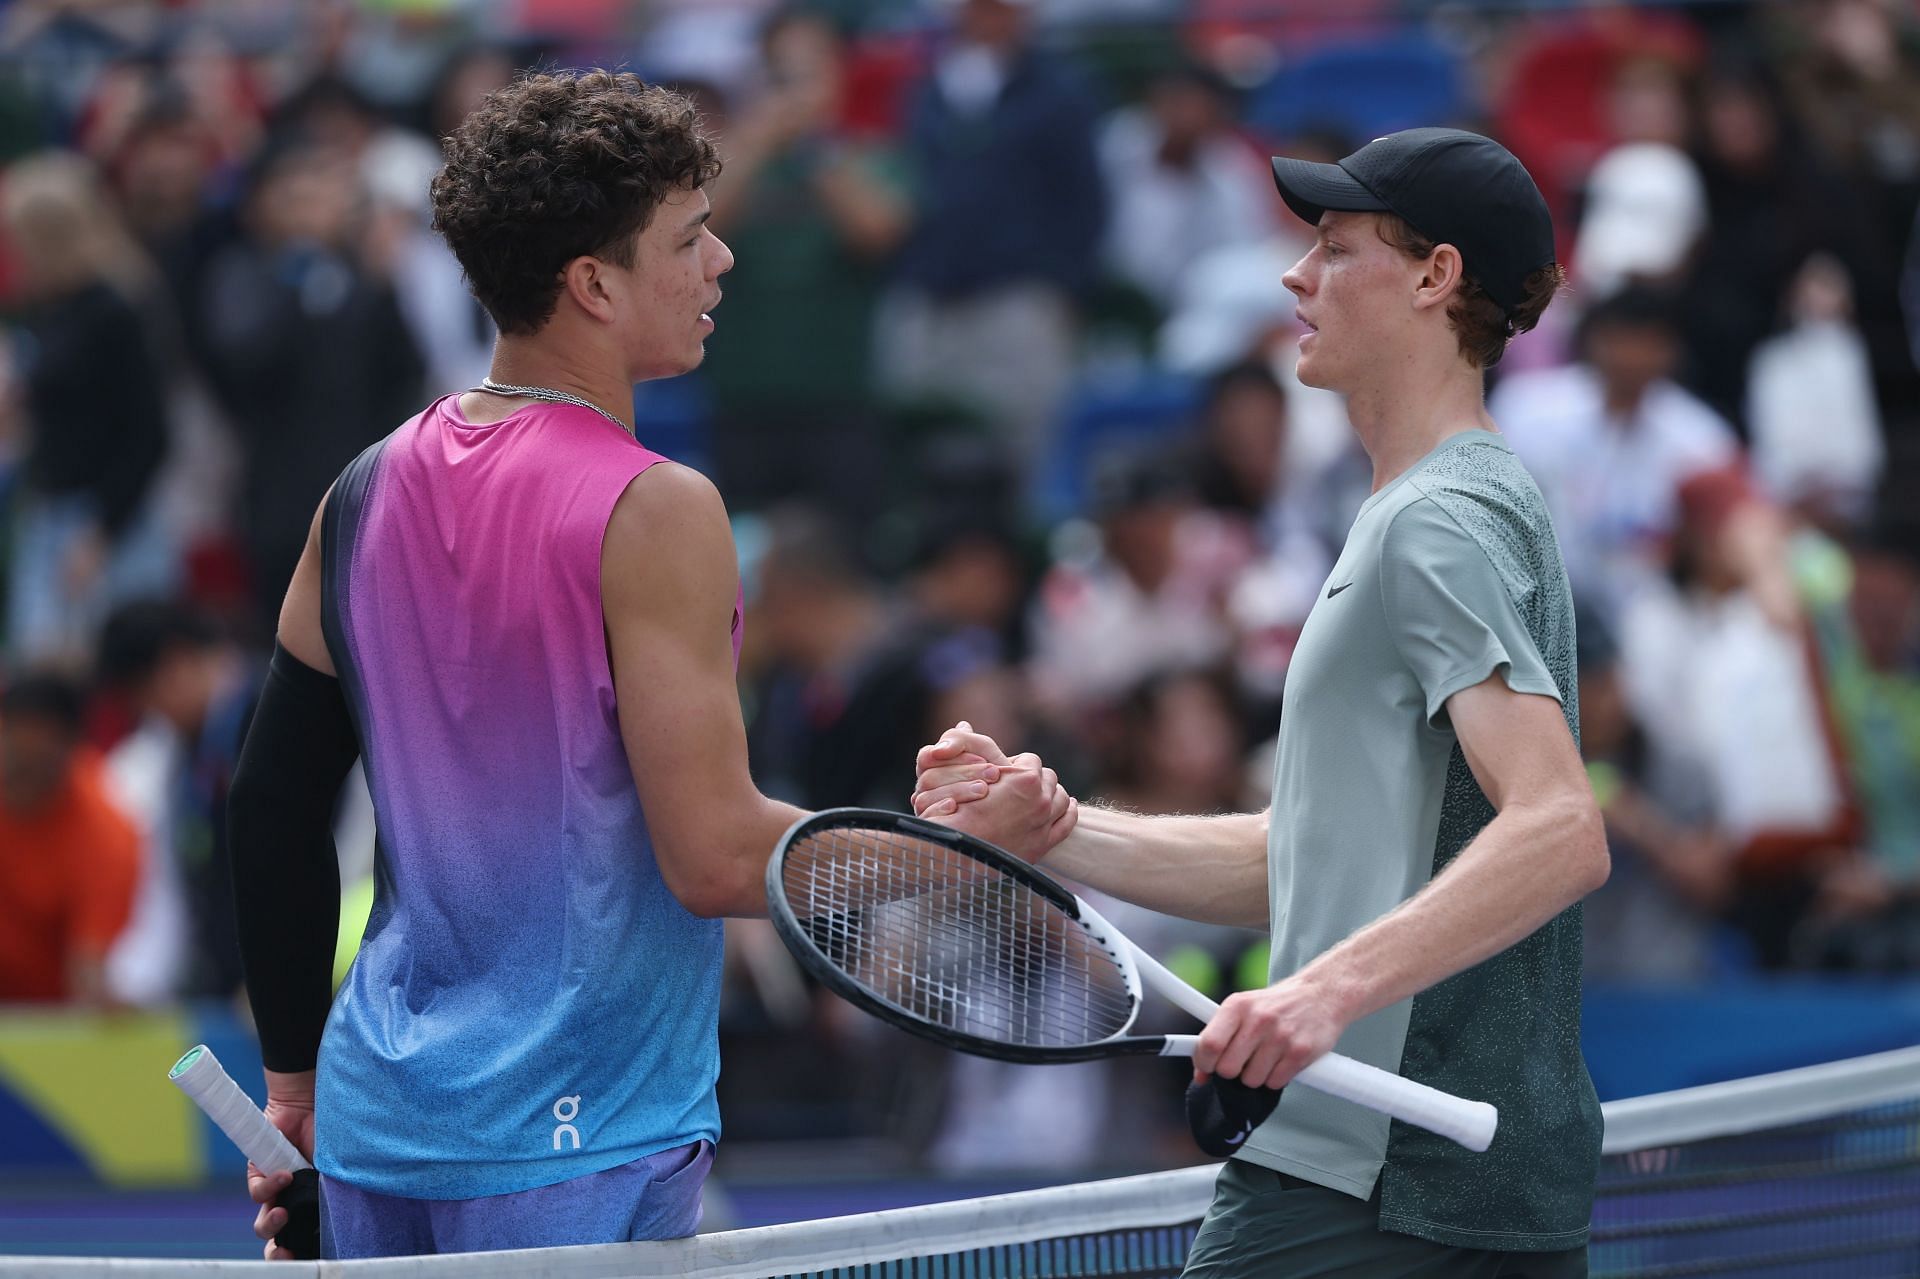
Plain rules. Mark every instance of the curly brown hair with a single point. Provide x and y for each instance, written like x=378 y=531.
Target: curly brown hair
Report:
x=1483 y=326
x=554 y=167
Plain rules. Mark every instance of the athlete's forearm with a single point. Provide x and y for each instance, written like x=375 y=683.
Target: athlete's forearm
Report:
x=730 y=877
x=286 y=879
x=1529 y=864
x=1212 y=869
x=290 y=1088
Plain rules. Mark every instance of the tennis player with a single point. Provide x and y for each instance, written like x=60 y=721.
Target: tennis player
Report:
x=1431 y=829
x=526 y=623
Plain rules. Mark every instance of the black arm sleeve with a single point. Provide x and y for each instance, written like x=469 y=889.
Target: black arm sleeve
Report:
x=286 y=881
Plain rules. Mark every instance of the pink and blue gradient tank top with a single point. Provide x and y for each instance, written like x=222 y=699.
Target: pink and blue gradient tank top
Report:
x=530 y=1002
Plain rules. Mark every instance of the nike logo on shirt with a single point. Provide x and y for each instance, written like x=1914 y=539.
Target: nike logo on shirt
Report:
x=1336 y=590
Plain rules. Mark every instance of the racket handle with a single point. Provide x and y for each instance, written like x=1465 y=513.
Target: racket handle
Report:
x=1470 y=1123
x=200 y=1075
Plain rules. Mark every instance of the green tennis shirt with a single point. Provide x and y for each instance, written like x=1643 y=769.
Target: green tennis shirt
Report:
x=1451 y=574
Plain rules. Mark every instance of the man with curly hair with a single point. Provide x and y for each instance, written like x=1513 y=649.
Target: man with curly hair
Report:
x=526 y=623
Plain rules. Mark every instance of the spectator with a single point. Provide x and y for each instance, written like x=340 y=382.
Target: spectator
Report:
x=1178 y=747
x=1645 y=211
x=1243 y=439
x=858 y=675
x=814 y=617
x=812 y=211
x=967 y=592
x=1572 y=85
x=1225 y=312
x=394 y=167
x=1711 y=676
x=1815 y=424
x=1009 y=213
x=1770 y=206
x=1653 y=920
x=1648 y=101
x=196 y=73
x=1852 y=80
x=1868 y=908
x=68 y=858
x=87 y=535
x=1148 y=593
x=452 y=330
x=162 y=173
x=1181 y=182
x=1610 y=440
x=1243 y=478
x=191 y=697
x=306 y=347
x=1875 y=676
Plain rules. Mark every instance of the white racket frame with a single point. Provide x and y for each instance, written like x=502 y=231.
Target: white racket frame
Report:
x=1470 y=1123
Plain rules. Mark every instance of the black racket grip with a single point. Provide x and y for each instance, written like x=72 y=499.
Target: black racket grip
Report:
x=301 y=1234
x=1224 y=1112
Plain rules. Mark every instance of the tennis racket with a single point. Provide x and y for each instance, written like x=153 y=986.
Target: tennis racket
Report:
x=957 y=941
x=200 y=1075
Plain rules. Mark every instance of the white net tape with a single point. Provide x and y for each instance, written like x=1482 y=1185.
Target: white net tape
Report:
x=1156 y=1199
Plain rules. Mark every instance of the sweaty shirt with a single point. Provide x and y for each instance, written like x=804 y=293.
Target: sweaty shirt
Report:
x=1450 y=574
x=530 y=1002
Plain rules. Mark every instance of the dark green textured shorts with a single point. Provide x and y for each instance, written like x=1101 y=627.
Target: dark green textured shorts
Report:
x=1267 y=1225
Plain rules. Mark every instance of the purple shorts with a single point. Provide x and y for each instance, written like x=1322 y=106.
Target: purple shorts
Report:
x=655 y=1197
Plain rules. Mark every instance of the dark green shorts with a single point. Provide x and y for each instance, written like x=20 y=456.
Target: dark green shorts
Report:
x=1267 y=1225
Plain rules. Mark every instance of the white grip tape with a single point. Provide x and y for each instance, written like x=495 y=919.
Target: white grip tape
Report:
x=1471 y=1123
x=200 y=1076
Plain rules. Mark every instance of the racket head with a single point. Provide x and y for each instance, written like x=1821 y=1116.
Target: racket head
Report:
x=953 y=939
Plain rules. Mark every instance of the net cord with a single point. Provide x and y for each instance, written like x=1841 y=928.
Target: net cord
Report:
x=1762 y=1101
x=1150 y=1200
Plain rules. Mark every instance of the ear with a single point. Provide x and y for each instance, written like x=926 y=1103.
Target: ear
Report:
x=1440 y=277
x=589 y=283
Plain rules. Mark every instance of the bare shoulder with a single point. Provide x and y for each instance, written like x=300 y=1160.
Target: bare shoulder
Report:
x=301 y=632
x=670 y=523
x=665 y=500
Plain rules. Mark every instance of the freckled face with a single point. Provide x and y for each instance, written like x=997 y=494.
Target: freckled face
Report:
x=674 y=284
x=1355 y=292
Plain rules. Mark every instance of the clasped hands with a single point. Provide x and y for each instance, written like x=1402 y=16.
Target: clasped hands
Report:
x=1261 y=1037
x=966 y=781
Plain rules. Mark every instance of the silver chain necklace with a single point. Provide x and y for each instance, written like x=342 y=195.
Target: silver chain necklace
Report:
x=549 y=394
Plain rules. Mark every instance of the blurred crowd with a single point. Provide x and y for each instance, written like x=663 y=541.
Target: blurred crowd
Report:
x=1001 y=397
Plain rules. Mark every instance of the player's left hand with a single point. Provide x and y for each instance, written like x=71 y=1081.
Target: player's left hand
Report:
x=1264 y=1038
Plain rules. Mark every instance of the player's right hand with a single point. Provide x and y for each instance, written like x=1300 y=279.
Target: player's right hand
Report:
x=968 y=782
x=265 y=1188
x=292 y=1114
x=959 y=767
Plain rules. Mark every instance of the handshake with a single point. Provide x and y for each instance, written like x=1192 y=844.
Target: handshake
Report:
x=966 y=781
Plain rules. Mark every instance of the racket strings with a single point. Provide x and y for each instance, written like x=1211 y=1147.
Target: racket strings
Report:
x=954 y=941
x=913 y=960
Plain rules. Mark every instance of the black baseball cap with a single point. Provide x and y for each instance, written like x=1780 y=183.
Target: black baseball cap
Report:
x=1451 y=186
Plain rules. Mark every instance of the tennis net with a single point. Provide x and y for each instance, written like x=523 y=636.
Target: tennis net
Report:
x=1807 y=1173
